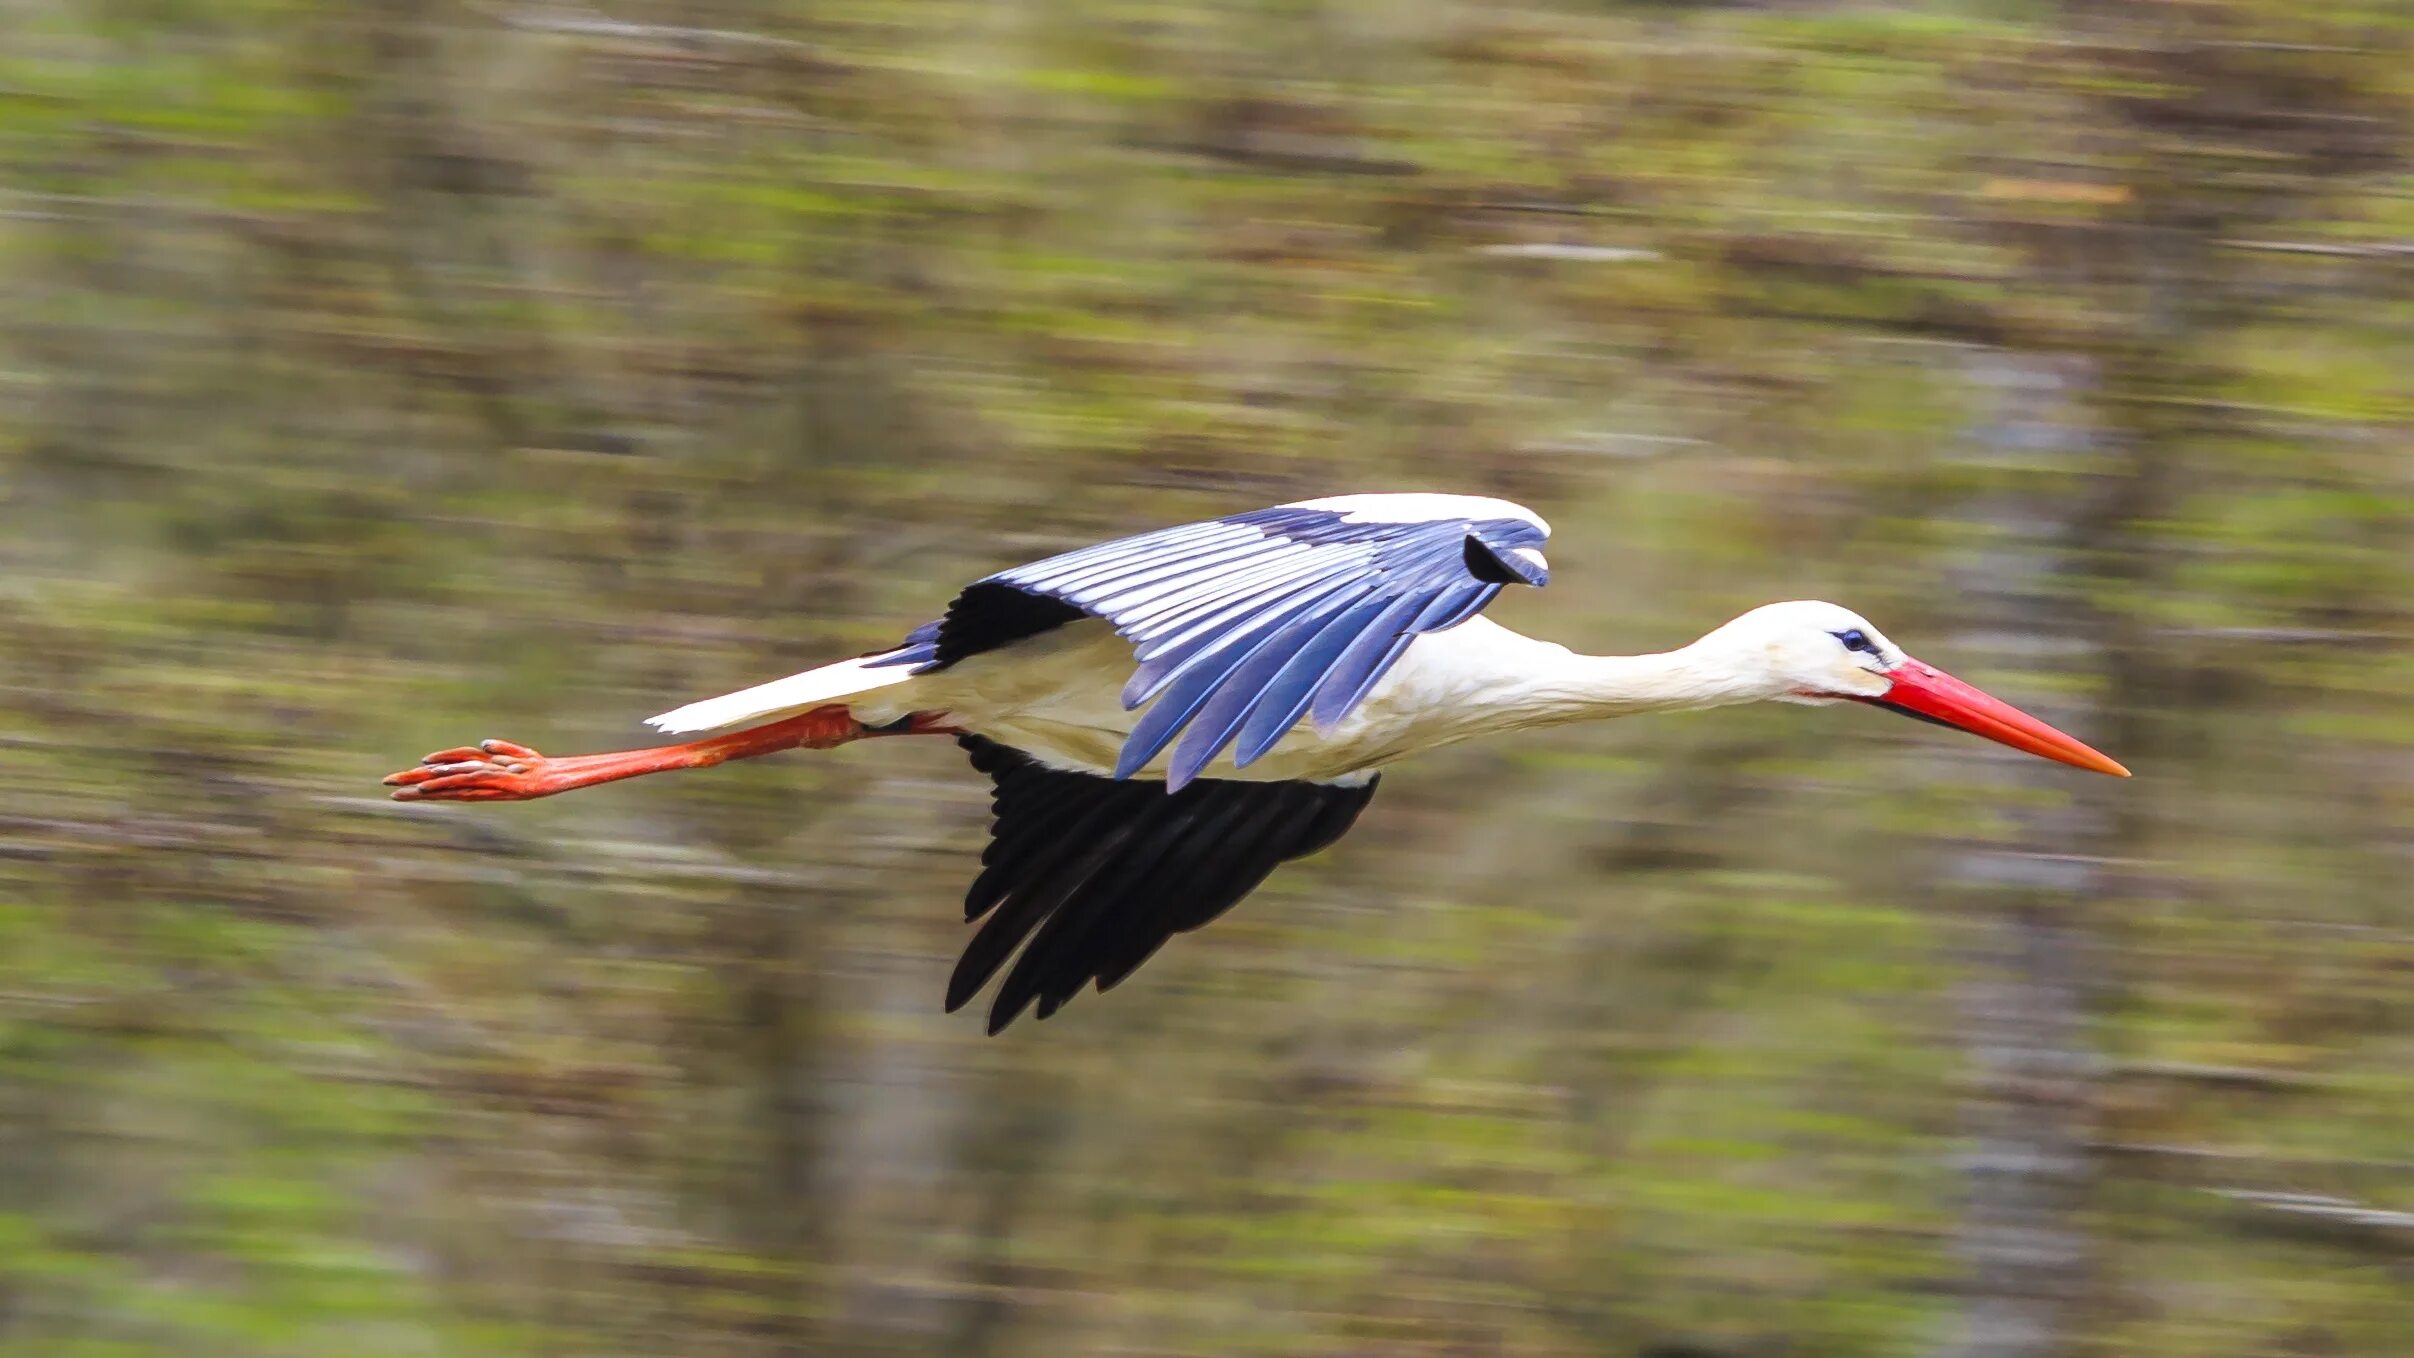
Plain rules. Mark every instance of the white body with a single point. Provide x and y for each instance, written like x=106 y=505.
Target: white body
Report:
x=1057 y=696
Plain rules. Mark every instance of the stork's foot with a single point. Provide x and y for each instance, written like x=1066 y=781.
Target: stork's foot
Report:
x=489 y=771
x=499 y=771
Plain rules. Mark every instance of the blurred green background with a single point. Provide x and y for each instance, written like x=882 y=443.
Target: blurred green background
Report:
x=381 y=374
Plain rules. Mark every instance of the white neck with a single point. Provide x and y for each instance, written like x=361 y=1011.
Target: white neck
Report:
x=1568 y=687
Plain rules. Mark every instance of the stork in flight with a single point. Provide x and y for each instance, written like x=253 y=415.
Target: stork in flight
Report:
x=1169 y=716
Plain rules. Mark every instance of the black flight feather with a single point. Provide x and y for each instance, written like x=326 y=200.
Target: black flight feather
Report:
x=1089 y=876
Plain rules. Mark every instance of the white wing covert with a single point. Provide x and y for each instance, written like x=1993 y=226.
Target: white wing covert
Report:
x=1242 y=625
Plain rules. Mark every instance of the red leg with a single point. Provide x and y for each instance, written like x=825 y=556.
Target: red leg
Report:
x=500 y=771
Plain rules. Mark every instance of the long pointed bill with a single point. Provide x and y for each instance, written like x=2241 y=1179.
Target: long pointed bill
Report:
x=1924 y=691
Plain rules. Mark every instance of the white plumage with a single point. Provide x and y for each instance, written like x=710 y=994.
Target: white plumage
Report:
x=781 y=697
x=1415 y=508
x=1058 y=697
x=1166 y=717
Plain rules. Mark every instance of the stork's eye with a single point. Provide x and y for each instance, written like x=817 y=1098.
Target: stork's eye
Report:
x=1855 y=639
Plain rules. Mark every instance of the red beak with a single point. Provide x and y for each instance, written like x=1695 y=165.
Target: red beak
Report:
x=1924 y=691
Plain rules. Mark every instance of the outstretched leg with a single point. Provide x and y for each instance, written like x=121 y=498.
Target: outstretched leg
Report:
x=500 y=771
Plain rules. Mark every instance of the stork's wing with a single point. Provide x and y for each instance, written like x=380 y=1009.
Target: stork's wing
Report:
x=1098 y=874
x=1243 y=625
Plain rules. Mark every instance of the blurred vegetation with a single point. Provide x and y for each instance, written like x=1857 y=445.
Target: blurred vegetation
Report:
x=377 y=376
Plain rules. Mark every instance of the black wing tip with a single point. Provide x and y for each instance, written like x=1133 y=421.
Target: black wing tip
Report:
x=1104 y=873
x=1010 y=1005
x=1496 y=565
x=959 y=994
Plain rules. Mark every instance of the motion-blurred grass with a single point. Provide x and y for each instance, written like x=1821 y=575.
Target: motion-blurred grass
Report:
x=375 y=377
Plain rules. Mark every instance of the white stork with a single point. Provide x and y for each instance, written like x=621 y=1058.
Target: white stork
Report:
x=1167 y=717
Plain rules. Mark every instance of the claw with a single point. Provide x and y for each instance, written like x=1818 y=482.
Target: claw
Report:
x=490 y=771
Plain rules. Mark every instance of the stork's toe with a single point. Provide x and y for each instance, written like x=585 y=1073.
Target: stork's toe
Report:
x=492 y=770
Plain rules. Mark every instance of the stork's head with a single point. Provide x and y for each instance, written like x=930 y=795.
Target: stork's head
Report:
x=1815 y=652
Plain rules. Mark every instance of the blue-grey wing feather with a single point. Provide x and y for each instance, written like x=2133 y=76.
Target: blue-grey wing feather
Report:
x=1242 y=626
